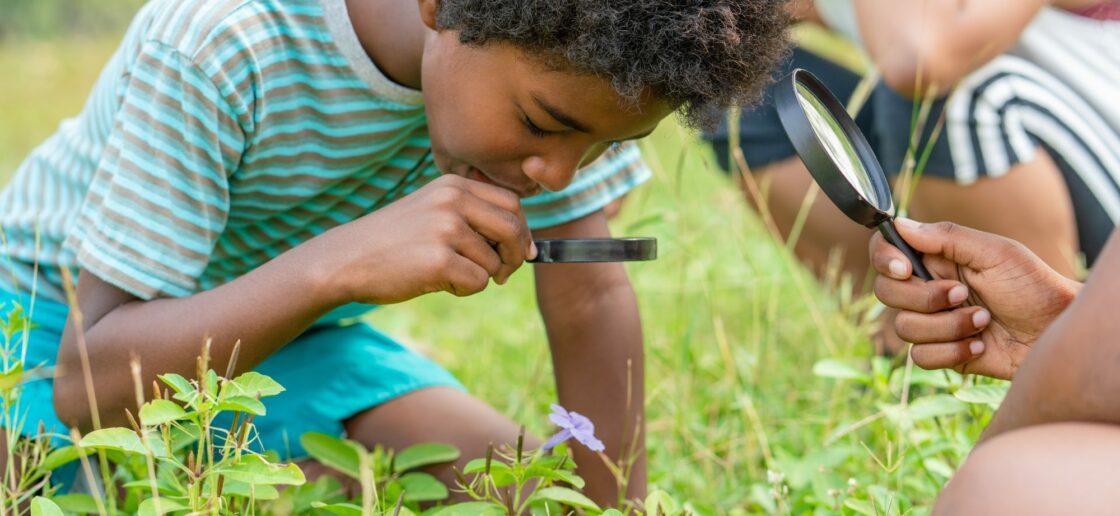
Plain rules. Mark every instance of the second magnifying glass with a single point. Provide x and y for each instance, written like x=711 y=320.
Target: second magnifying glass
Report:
x=839 y=158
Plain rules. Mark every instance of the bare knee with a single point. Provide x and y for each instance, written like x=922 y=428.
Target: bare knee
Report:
x=1065 y=468
x=438 y=414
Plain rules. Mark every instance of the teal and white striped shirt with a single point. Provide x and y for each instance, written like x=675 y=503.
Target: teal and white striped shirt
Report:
x=221 y=134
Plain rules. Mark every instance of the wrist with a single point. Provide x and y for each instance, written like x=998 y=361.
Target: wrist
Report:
x=314 y=267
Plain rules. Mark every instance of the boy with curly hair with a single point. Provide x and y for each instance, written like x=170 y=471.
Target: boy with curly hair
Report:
x=257 y=170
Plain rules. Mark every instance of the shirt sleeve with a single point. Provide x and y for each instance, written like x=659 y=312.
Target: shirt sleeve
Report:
x=159 y=196
x=614 y=174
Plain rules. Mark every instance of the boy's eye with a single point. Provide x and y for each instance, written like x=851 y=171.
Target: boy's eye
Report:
x=533 y=128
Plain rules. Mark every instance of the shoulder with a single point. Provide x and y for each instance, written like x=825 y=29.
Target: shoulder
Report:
x=230 y=42
x=212 y=33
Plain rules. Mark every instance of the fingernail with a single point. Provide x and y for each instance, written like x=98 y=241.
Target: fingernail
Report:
x=958 y=294
x=908 y=223
x=981 y=318
x=532 y=250
x=897 y=268
x=976 y=347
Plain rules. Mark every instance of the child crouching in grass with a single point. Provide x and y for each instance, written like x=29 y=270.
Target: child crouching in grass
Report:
x=256 y=171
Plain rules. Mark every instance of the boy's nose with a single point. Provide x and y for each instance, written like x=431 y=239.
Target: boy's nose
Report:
x=553 y=173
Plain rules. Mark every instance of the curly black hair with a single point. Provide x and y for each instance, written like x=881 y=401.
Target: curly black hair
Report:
x=700 y=56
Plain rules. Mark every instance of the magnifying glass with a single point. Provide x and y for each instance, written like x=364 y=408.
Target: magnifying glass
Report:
x=589 y=250
x=839 y=158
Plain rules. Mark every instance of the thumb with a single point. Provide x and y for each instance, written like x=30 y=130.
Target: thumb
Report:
x=969 y=247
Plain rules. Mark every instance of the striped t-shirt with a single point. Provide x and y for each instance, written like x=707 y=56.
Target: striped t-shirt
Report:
x=222 y=133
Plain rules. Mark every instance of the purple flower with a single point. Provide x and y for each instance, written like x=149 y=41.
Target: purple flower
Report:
x=573 y=424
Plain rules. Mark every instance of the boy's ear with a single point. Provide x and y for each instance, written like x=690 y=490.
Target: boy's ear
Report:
x=428 y=10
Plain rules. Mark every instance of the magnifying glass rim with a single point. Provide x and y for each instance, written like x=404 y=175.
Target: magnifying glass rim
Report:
x=593 y=250
x=817 y=159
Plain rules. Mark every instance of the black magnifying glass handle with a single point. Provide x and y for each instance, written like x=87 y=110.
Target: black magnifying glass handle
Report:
x=891 y=234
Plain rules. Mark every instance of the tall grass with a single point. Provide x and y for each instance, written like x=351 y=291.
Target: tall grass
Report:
x=763 y=395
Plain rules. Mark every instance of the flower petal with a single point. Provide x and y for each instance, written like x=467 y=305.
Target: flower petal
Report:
x=560 y=437
x=591 y=442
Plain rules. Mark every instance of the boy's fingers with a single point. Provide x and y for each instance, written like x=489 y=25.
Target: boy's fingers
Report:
x=950 y=326
x=945 y=355
x=495 y=195
x=920 y=296
x=506 y=229
x=478 y=250
x=506 y=200
x=464 y=277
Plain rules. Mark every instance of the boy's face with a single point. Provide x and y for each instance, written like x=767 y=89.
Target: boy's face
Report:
x=496 y=114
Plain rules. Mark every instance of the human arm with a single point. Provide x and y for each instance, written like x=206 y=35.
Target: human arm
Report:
x=436 y=239
x=1073 y=372
x=916 y=44
x=1014 y=297
x=591 y=315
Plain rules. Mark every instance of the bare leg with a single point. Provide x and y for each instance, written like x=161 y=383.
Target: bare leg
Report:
x=1063 y=468
x=437 y=414
x=1030 y=204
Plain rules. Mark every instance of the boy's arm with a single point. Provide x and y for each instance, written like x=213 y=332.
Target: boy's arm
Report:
x=435 y=239
x=1073 y=372
x=591 y=315
x=918 y=43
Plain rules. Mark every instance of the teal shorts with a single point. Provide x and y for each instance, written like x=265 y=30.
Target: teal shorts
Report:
x=331 y=372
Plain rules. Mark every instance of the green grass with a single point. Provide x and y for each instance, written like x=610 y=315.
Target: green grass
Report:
x=735 y=329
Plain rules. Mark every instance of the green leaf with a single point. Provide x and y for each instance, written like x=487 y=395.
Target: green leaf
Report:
x=253 y=385
x=500 y=472
x=659 y=502
x=242 y=404
x=210 y=383
x=333 y=452
x=11 y=378
x=470 y=509
x=121 y=439
x=422 y=487
x=864 y=507
x=343 y=509
x=556 y=475
x=166 y=505
x=425 y=454
x=44 y=507
x=253 y=469
x=985 y=394
x=158 y=412
x=243 y=490
x=569 y=497
x=60 y=457
x=832 y=368
x=937 y=405
x=177 y=383
x=611 y=512
x=77 y=503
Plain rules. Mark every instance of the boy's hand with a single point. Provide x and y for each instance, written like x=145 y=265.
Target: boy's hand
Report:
x=1014 y=296
x=453 y=235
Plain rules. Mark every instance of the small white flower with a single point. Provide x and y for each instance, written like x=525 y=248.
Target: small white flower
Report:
x=774 y=477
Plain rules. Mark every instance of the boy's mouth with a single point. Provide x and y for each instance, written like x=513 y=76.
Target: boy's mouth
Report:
x=480 y=176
